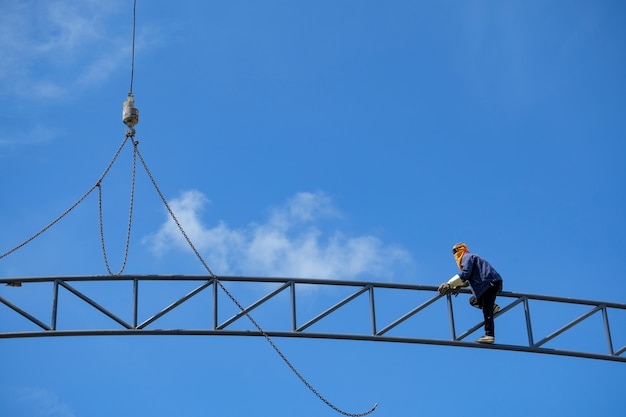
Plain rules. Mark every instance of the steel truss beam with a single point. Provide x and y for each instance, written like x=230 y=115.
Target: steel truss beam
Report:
x=293 y=286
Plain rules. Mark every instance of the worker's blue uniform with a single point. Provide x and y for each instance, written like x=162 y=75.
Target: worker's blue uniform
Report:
x=479 y=273
x=485 y=283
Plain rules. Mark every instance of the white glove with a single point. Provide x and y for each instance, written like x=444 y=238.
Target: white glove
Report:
x=456 y=281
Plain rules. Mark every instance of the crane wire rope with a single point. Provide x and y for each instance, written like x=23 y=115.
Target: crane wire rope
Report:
x=132 y=62
x=136 y=153
x=192 y=246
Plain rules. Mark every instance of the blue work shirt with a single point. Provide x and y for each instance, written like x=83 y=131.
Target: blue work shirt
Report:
x=478 y=272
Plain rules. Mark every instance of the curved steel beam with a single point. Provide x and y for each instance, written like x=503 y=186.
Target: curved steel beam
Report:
x=37 y=327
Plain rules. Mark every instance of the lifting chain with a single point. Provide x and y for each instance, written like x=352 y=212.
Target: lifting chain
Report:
x=66 y=212
x=137 y=153
x=130 y=117
x=130 y=213
x=243 y=310
x=55 y=221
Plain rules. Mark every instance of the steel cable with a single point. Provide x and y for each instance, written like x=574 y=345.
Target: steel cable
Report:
x=132 y=63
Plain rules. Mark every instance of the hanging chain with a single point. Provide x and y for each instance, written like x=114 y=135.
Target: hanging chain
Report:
x=66 y=212
x=49 y=225
x=130 y=134
x=130 y=216
x=243 y=310
x=136 y=153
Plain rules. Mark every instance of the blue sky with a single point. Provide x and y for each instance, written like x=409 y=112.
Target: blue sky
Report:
x=330 y=139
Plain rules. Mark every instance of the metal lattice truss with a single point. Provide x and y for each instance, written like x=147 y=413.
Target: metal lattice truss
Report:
x=368 y=311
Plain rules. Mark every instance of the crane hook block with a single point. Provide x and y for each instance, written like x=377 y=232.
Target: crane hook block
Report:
x=130 y=115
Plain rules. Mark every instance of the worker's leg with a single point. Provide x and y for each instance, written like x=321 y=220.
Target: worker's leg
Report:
x=488 y=301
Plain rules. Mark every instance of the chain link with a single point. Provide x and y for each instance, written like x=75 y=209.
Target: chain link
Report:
x=243 y=310
x=33 y=237
x=130 y=215
x=66 y=212
x=137 y=153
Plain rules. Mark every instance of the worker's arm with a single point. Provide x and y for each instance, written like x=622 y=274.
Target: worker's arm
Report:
x=456 y=282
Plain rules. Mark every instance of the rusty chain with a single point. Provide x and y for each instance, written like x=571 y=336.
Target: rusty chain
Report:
x=72 y=207
x=137 y=153
x=130 y=134
x=243 y=310
x=33 y=237
x=130 y=214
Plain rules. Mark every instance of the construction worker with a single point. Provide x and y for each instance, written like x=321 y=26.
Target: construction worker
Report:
x=483 y=280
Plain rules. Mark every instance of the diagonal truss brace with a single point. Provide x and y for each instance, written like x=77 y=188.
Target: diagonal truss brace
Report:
x=303 y=330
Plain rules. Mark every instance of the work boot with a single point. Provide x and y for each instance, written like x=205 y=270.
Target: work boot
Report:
x=486 y=339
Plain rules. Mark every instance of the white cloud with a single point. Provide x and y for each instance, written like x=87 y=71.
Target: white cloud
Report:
x=48 y=48
x=28 y=135
x=289 y=244
x=44 y=403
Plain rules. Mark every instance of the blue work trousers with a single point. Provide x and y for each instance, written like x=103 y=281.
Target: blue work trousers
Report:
x=486 y=303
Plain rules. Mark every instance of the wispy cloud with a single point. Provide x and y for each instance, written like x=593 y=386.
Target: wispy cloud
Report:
x=48 y=48
x=43 y=403
x=30 y=135
x=290 y=243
